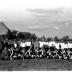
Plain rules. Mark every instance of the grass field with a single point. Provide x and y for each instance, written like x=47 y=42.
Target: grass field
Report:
x=36 y=65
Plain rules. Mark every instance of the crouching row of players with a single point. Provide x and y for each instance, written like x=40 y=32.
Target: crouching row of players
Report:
x=32 y=53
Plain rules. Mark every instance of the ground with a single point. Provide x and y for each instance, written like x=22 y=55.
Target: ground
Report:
x=36 y=65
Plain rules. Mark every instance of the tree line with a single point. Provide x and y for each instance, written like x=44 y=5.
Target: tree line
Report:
x=27 y=35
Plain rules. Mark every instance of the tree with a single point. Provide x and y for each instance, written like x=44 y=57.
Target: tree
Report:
x=56 y=38
x=49 y=39
x=10 y=35
x=65 y=38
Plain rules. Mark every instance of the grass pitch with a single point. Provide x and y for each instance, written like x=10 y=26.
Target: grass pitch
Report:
x=36 y=65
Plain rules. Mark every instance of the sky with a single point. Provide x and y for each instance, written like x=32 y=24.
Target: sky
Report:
x=43 y=17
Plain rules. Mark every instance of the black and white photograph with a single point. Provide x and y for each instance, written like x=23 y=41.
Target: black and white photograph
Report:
x=35 y=35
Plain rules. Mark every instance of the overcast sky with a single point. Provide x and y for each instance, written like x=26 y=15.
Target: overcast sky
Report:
x=43 y=17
